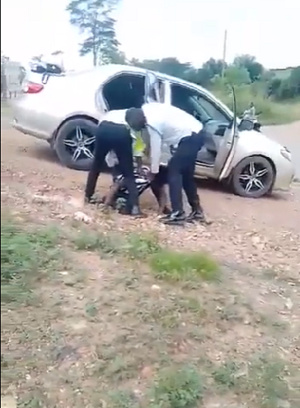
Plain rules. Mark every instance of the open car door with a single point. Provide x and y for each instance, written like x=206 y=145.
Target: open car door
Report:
x=152 y=93
x=156 y=90
x=227 y=146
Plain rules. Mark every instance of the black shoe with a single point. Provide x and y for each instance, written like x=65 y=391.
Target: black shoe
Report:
x=197 y=216
x=175 y=218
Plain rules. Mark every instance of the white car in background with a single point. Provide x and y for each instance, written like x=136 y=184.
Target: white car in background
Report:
x=65 y=110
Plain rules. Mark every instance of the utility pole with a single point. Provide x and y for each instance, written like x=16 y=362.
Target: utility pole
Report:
x=224 y=52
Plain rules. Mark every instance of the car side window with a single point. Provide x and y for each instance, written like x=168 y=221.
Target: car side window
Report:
x=124 y=91
x=196 y=104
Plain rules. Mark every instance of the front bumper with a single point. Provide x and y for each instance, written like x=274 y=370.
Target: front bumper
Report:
x=284 y=175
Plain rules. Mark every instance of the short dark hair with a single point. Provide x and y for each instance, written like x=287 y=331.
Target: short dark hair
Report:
x=135 y=118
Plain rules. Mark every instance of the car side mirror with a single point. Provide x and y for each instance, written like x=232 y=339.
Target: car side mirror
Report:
x=246 y=124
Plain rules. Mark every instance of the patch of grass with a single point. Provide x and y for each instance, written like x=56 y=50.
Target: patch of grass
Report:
x=263 y=378
x=182 y=266
x=91 y=241
x=25 y=256
x=134 y=246
x=141 y=246
x=122 y=399
x=267 y=381
x=225 y=375
x=178 y=388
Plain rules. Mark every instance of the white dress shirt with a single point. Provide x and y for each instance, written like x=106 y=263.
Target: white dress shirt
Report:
x=166 y=126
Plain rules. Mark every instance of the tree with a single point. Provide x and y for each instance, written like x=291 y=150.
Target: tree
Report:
x=249 y=62
x=198 y=76
x=294 y=81
x=213 y=67
x=93 y=18
x=236 y=76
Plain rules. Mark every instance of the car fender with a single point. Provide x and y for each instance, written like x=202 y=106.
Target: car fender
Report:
x=253 y=143
x=95 y=117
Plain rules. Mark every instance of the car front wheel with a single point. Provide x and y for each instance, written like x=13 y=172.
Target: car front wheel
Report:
x=75 y=143
x=253 y=177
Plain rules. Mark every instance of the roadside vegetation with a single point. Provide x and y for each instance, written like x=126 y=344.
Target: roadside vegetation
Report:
x=116 y=320
x=276 y=97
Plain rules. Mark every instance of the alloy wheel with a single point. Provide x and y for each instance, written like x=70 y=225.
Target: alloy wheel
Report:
x=254 y=177
x=80 y=144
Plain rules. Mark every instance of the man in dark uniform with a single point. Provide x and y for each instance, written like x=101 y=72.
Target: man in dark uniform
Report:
x=114 y=135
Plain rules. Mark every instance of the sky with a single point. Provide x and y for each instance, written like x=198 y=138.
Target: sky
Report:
x=191 y=30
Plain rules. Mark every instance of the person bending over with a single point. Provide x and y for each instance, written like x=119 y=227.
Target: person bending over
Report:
x=114 y=135
x=184 y=136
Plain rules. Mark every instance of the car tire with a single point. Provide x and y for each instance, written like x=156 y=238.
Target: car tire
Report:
x=253 y=177
x=75 y=143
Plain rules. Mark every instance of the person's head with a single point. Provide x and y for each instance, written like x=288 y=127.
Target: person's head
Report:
x=251 y=104
x=135 y=118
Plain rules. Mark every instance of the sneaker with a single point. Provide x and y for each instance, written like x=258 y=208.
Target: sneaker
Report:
x=175 y=218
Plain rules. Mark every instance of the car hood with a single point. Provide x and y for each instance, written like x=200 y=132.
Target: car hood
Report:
x=259 y=141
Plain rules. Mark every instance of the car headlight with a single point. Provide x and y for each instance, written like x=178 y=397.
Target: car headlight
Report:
x=286 y=153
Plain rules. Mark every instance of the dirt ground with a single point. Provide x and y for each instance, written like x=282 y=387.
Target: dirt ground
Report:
x=99 y=341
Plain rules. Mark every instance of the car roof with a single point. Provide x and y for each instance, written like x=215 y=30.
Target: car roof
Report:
x=113 y=69
x=95 y=76
x=106 y=71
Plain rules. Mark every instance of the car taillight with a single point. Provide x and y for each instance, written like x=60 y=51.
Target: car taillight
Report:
x=32 y=88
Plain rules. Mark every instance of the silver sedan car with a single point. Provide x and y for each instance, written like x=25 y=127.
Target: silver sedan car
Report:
x=65 y=111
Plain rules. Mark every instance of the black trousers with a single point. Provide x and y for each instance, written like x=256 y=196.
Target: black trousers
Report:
x=181 y=169
x=159 y=181
x=116 y=137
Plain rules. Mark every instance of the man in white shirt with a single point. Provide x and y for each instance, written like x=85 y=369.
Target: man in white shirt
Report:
x=114 y=135
x=182 y=134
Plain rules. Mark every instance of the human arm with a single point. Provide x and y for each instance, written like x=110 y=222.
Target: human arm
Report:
x=155 y=149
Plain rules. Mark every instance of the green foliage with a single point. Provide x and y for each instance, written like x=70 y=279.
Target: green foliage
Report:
x=93 y=18
x=237 y=76
x=252 y=83
x=122 y=399
x=92 y=241
x=139 y=247
x=178 y=388
x=25 y=256
x=181 y=266
x=263 y=378
x=248 y=62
